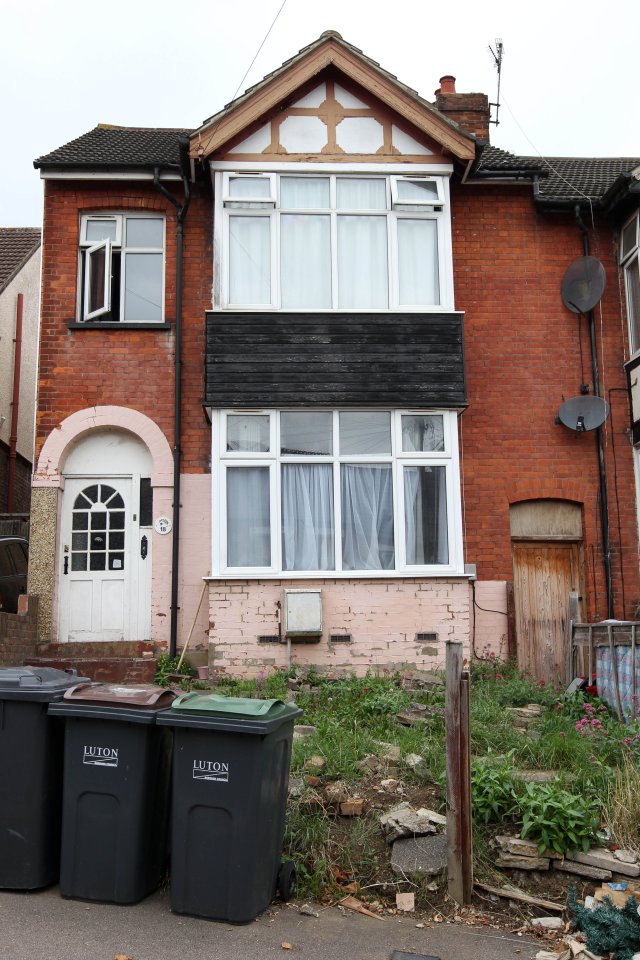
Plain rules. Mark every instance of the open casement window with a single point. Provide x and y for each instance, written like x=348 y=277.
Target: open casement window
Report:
x=97 y=280
x=335 y=492
x=630 y=262
x=122 y=268
x=333 y=241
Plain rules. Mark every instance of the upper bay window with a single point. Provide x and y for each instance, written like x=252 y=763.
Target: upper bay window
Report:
x=335 y=492
x=316 y=241
x=122 y=268
x=630 y=261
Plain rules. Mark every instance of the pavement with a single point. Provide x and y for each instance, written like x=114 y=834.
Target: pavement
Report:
x=42 y=926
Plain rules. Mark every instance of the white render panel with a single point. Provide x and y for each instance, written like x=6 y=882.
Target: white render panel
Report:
x=407 y=144
x=314 y=98
x=303 y=134
x=108 y=452
x=256 y=143
x=113 y=604
x=302 y=612
x=360 y=135
x=346 y=99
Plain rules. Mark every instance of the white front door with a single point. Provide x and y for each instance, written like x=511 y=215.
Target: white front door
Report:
x=98 y=596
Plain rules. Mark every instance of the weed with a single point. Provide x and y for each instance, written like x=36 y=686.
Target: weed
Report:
x=167 y=668
x=492 y=789
x=557 y=819
x=622 y=813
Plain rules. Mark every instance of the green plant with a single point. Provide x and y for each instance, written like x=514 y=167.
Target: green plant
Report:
x=556 y=819
x=167 y=668
x=493 y=791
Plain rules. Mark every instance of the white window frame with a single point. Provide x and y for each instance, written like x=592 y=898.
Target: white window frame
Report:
x=87 y=247
x=222 y=459
x=88 y=269
x=438 y=211
x=627 y=258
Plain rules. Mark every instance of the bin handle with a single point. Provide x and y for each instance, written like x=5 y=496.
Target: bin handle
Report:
x=183 y=698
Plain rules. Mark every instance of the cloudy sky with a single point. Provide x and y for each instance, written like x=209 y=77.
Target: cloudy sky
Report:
x=569 y=81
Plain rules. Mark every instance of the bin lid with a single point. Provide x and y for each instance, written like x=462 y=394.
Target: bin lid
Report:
x=37 y=683
x=142 y=695
x=241 y=714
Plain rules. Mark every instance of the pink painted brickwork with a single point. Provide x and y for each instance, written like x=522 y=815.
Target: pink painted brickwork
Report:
x=382 y=617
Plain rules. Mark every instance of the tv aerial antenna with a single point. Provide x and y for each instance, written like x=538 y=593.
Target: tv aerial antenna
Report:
x=497 y=59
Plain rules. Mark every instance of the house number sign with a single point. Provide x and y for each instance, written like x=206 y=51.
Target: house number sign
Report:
x=163 y=525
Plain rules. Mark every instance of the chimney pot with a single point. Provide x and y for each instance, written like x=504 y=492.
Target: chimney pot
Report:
x=447 y=85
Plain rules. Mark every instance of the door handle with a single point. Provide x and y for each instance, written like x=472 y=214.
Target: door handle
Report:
x=65 y=568
x=144 y=546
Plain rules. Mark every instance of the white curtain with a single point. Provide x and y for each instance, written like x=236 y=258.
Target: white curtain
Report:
x=307 y=517
x=367 y=193
x=418 y=262
x=249 y=260
x=304 y=193
x=248 y=517
x=362 y=263
x=367 y=517
x=305 y=261
x=425 y=515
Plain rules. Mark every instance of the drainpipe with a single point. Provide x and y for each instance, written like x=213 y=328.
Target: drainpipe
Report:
x=181 y=208
x=15 y=406
x=604 y=506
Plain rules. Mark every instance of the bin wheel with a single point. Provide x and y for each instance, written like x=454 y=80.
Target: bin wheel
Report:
x=287 y=880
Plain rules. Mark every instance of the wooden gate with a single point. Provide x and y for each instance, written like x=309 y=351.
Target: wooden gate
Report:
x=544 y=573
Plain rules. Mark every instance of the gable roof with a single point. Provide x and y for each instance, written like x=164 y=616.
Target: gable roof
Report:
x=330 y=49
x=17 y=245
x=110 y=146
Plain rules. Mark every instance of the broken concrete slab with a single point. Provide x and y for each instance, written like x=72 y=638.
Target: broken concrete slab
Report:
x=404 y=821
x=336 y=792
x=547 y=923
x=409 y=718
x=370 y=763
x=625 y=856
x=438 y=818
x=536 y=776
x=390 y=752
x=524 y=848
x=581 y=869
x=514 y=862
x=302 y=731
x=605 y=860
x=406 y=902
x=414 y=761
x=423 y=856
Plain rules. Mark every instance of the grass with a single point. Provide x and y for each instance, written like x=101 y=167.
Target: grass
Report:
x=594 y=756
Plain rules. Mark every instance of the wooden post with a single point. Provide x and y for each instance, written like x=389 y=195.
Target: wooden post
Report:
x=453 y=676
x=573 y=616
x=465 y=791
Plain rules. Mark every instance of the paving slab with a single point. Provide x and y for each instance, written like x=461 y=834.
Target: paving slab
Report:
x=42 y=926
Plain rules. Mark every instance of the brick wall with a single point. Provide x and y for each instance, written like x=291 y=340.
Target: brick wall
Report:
x=22 y=482
x=523 y=359
x=134 y=368
x=18 y=632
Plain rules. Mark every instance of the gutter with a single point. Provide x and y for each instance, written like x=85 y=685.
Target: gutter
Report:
x=15 y=405
x=181 y=208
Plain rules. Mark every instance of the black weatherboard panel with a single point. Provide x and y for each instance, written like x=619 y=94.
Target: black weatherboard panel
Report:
x=334 y=359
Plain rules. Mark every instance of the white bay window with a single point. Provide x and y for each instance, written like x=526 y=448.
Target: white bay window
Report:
x=333 y=241
x=340 y=493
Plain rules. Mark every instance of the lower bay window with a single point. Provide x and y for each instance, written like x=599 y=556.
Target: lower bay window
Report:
x=342 y=492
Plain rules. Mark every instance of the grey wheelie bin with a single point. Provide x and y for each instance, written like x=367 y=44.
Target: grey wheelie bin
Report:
x=31 y=749
x=230 y=774
x=117 y=766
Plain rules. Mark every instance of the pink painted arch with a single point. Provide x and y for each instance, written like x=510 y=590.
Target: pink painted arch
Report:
x=48 y=472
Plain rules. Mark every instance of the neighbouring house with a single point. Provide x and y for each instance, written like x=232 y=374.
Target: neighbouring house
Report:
x=19 y=311
x=300 y=376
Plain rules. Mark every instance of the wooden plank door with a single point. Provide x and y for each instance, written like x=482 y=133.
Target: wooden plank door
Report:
x=544 y=573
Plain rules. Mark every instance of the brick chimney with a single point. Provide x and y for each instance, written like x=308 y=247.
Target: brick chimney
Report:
x=470 y=110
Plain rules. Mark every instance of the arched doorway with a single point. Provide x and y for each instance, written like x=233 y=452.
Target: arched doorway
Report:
x=104 y=573
x=546 y=537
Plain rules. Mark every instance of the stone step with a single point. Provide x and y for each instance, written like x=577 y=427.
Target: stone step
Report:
x=105 y=669
x=120 y=648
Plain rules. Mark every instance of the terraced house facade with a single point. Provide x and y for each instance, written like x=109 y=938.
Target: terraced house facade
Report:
x=300 y=370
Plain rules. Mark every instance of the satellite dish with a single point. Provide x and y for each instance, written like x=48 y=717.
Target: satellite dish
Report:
x=583 y=284
x=583 y=413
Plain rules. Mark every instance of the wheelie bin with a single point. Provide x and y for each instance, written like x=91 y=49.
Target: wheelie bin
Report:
x=31 y=750
x=230 y=775
x=117 y=765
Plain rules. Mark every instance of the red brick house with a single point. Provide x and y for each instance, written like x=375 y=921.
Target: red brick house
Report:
x=305 y=363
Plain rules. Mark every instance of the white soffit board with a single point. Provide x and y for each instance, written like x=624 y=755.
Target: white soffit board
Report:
x=360 y=135
x=407 y=144
x=303 y=134
x=314 y=98
x=346 y=99
x=256 y=143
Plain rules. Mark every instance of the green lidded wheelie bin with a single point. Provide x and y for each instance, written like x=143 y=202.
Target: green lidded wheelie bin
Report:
x=115 y=808
x=230 y=775
x=31 y=750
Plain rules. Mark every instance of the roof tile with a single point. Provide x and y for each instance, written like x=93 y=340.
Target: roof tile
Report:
x=16 y=246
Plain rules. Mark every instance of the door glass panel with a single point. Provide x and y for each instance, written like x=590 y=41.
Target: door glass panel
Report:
x=116 y=520
x=79 y=541
x=99 y=520
x=94 y=511
x=78 y=561
x=97 y=561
